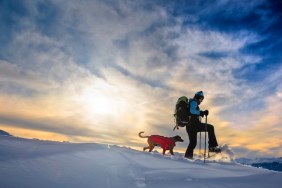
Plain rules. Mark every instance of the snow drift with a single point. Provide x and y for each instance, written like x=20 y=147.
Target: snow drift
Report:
x=34 y=163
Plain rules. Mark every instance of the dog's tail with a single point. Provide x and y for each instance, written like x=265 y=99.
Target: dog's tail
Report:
x=142 y=136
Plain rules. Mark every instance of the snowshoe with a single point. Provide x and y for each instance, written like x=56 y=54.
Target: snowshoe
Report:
x=215 y=150
x=223 y=154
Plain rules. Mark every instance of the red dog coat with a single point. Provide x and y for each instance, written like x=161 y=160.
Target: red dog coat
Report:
x=164 y=142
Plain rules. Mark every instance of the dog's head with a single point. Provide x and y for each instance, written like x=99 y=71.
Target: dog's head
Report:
x=177 y=139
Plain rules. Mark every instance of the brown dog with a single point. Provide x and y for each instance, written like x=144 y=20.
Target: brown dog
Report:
x=167 y=143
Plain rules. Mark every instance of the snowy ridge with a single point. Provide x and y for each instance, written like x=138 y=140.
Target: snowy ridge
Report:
x=267 y=163
x=259 y=160
x=34 y=163
x=4 y=133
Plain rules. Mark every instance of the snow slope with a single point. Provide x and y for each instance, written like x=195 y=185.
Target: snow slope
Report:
x=34 y=163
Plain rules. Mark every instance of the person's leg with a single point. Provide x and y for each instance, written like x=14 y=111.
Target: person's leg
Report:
x=212 y=137
x=192 y=143
x=211 y=134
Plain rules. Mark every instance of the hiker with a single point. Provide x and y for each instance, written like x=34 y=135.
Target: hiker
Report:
x=196 y=126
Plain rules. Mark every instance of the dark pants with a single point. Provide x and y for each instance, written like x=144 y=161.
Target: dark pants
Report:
x=192 y=129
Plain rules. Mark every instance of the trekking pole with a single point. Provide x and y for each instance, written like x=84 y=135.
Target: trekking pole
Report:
x=205 y=139
x=200 y=152
x=200 y=149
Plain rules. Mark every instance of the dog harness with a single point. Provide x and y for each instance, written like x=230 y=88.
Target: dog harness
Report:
x=165 y=142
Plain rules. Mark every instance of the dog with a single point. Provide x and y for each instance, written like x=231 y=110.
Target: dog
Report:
x=167 y=143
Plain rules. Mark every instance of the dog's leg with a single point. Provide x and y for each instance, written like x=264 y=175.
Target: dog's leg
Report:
x=164 y=150
x=171 y=151
x=151 y=148
x=144 y=149
x=151 y=144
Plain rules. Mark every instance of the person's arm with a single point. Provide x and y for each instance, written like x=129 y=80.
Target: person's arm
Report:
x=193 y=108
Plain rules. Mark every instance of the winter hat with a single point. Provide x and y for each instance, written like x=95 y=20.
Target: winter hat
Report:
x=199 y=95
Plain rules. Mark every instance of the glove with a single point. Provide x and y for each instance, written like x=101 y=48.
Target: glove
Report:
x=206 y=112
x=202 y=113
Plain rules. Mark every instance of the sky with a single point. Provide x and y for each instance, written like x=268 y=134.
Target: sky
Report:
x=102 y=71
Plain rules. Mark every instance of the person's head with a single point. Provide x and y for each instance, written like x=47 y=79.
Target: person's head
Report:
x=199 y=97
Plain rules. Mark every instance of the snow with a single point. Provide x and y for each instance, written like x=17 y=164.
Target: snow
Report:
x=34 y=163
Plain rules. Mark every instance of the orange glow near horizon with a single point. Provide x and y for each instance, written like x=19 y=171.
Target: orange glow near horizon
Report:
x=34 y=134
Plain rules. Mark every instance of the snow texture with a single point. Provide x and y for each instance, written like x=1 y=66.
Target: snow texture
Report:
x=31 y=163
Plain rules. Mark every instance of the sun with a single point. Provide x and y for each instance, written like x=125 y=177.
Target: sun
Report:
x=102 y=100
x=96 y=102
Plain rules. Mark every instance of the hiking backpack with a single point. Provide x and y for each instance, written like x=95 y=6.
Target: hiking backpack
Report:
x=182 y=112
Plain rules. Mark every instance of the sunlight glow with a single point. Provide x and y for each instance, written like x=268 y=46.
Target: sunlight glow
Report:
x=102 y=100
x=97 y=103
